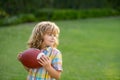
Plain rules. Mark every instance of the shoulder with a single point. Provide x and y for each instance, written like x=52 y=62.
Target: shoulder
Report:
x=56 y=51
x=57 y=54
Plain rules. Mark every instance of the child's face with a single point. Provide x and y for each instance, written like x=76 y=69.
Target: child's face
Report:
x=49 y=39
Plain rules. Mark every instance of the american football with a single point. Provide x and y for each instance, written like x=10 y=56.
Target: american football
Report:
x=29 y=57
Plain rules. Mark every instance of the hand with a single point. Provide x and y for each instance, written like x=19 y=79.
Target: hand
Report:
x=18 y=56
x=45 y=61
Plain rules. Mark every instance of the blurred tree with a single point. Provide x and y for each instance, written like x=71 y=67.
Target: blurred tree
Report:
x=114 y=4
x=29 y=6
x=18 y=6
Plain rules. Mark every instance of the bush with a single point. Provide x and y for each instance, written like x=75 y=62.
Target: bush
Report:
x=97 y=13
x=23 y=18
x=61 y=14
x=64 y=14
x=44 y=14
x=10 y=20
x=3 y=14
x=27 y=18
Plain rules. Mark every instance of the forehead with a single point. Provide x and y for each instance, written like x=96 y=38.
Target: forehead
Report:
x=52 y=30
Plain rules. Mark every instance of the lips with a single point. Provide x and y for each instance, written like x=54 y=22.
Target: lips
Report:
x=52 y=41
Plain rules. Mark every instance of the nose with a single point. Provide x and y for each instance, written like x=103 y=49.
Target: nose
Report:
x=53 y=37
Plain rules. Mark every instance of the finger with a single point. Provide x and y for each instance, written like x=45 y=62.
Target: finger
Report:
x=41 y=60
x=40 y=63
x=44 y=58
x=18 y=56
x=48 y=58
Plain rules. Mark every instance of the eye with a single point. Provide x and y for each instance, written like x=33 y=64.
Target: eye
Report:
x=49 y=34
x=55 y=35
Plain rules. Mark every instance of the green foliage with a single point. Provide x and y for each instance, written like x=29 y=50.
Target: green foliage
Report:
x=27 y=18
x=44 y=14
x=22 y=18
x=10 y=20
x=98 y=13
x=64 y=14
x=13 y=7
x=58 y=14
x=3 y=14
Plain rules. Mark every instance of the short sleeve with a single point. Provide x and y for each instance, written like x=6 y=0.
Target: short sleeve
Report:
x=57 y=61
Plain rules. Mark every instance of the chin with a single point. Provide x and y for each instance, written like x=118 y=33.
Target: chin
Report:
x=49 y=45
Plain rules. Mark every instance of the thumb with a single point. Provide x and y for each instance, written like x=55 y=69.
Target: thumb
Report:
x=19 y=56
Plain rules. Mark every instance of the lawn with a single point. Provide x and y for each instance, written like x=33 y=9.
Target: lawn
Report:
x=90 y=49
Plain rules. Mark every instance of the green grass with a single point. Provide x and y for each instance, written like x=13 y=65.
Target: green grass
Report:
x=90 y=48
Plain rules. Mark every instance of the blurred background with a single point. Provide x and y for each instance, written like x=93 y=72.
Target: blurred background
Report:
x=89 y=38
x=15 y=12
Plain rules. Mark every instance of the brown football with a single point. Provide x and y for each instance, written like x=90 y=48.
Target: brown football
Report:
x=29 y=57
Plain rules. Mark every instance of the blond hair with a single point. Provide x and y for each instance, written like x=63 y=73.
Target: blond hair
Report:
x=40 y=29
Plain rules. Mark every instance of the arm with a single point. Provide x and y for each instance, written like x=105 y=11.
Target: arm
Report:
x=26 y=68
x=46 y=63
x=54 y=73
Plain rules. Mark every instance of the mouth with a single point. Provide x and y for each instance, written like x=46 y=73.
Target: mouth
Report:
x=52 y=41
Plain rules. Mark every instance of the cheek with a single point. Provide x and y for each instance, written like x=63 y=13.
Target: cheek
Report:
x=46 y=40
